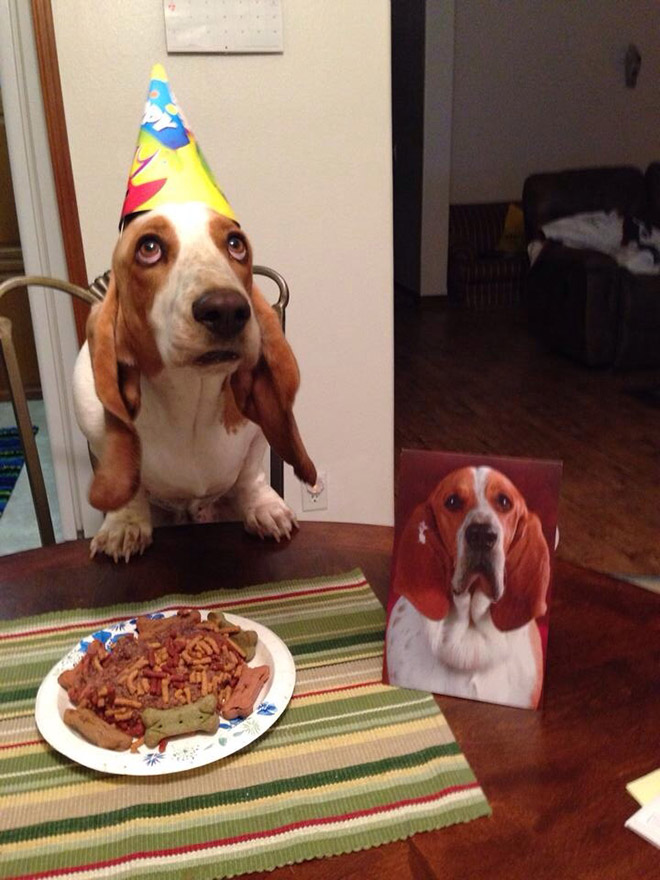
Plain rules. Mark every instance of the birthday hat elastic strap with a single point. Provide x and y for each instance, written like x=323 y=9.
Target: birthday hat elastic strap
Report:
x=168 y=165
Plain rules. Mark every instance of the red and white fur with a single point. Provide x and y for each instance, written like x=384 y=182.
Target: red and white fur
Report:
x=472 y=572
x=184 y=377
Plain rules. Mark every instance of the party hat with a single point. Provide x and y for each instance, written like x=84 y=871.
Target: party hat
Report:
x=168 y=164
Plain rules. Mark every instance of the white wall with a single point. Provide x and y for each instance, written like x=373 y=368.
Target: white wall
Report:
x=301 y=144
x=540 y=87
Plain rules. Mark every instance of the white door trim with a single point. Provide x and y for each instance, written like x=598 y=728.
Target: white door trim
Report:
x=43 y=254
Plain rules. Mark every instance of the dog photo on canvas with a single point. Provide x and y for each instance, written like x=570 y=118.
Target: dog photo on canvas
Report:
x=470 y=581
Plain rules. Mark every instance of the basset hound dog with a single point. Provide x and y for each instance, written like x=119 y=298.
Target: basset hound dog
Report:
x=184 y=377
x=472 y=572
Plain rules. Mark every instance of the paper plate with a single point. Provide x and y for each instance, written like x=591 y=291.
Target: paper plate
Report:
x=182 y=753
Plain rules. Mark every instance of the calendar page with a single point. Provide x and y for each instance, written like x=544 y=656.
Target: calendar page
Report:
x=223 y=26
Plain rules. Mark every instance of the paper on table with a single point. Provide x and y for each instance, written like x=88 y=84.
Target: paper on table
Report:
x=646 y=788
x=646 y=822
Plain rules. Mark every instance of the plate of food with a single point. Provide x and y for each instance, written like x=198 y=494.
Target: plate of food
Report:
x=165 y=692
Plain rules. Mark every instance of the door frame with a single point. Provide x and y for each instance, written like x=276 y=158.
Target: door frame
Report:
x=60 y=156
x=43 y=191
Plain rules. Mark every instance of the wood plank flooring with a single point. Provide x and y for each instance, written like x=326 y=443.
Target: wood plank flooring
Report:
x=476 y=381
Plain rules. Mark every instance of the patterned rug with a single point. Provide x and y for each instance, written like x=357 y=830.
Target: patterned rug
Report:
x=11 y=462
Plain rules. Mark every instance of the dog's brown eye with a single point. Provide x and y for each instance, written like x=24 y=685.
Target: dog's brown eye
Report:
x=454 y=502
x=504 y=502
x=237 y=247
x=149 y=251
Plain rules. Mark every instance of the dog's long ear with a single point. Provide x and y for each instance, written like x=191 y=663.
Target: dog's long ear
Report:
x=423 y=567
x=526 y=577
x=117 y=382
x=266 y=393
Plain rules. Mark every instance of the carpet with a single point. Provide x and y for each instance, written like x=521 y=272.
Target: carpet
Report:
x=11 y=462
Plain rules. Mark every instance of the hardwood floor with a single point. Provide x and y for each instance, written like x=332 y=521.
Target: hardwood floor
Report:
x=476 y=381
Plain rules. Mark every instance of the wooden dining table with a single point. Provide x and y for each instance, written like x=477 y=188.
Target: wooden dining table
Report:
x=555 y=778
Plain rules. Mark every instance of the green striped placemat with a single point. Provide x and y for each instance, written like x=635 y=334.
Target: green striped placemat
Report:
x=351 y=764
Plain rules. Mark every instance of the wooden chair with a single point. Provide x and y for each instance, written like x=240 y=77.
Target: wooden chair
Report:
x=91 y=295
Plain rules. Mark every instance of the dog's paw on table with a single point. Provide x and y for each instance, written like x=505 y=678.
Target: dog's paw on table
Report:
x=122 y=535
x=271 y=519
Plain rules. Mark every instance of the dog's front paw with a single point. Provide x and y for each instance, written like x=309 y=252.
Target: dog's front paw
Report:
x=271 y=518
x=124 y=533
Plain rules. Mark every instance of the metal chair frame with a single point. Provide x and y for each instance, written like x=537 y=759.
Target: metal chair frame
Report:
x=91 y=295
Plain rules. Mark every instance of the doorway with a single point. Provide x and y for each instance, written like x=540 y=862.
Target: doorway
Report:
x=18 y=525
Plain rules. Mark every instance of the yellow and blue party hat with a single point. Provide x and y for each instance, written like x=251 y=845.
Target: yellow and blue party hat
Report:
x=168 y=165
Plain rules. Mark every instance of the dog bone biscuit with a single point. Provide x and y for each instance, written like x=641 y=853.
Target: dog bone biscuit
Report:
x=96 y=730
x=241 y=701
x=198 y=717
x=246 y=639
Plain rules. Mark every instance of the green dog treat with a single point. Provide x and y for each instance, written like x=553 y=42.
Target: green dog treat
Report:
x=246 y=639
x=198 y=717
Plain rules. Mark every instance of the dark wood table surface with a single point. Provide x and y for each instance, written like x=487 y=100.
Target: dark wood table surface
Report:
x=555 y=778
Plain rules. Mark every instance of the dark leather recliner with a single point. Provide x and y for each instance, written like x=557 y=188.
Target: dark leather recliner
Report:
x=581 y=302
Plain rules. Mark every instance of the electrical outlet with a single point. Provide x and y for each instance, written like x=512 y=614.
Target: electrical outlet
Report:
x=315 y=497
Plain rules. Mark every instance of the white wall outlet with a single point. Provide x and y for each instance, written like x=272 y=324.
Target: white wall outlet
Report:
x=315 y=497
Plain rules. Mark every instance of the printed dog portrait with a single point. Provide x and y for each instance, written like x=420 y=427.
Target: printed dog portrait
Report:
x=470 y=581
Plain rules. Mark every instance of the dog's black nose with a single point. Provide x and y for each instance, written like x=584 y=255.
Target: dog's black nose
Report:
x=223 y=311
x=480 y=536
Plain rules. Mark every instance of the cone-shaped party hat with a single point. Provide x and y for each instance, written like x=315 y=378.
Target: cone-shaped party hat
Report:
x=168 y=164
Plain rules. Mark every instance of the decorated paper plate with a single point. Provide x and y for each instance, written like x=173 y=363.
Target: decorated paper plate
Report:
x=182 y=753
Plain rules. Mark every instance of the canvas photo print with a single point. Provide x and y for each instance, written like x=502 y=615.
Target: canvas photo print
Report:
x=472 y=575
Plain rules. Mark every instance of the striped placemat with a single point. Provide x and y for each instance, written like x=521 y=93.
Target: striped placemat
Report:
x=351 y=764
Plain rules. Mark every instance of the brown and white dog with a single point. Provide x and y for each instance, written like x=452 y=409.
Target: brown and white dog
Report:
x=184 y=371
x=472 y=572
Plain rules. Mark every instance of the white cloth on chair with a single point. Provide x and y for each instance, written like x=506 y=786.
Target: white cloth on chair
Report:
x=603 y=231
